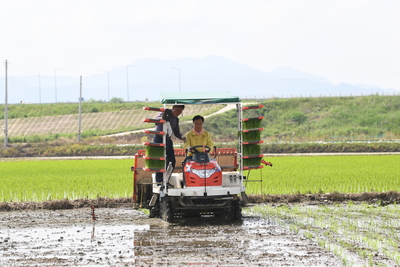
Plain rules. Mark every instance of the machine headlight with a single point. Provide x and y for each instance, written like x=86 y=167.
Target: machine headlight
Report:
x=203 y=173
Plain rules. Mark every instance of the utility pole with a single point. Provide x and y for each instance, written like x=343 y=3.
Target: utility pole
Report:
x=55 y=82
x=80 y=112
x=6 y=114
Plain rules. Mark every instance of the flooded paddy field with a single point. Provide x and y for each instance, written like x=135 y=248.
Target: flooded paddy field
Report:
x=127 y=237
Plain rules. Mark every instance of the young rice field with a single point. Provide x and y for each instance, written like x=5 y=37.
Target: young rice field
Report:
x=89 y=179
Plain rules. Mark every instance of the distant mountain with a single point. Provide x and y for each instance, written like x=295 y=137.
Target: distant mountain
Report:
x=145 y=78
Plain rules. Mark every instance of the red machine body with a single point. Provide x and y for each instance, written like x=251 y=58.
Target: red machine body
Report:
x=202 y=174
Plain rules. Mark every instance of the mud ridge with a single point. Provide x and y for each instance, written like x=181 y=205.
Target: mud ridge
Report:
x=66 y=204
x=382 y=199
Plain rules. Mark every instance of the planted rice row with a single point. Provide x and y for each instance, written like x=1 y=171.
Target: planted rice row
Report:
x=361 y=235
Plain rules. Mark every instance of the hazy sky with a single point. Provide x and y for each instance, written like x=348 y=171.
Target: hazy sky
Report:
x=352 y=41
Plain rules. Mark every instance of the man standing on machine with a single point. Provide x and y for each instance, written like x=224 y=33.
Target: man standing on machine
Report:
x=170 y=116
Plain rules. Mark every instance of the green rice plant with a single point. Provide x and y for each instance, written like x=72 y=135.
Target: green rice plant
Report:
x=252 y=136
x=153 y=163
x=252 y=162
x=345 y=174
x=41 y=180
x=60 y=179
x=252 y=149
x=155 y=151
x=252 y=123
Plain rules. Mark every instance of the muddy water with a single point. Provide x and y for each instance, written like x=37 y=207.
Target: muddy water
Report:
x=126 y=237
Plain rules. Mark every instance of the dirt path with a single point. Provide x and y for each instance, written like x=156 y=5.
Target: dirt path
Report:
x=127 y=237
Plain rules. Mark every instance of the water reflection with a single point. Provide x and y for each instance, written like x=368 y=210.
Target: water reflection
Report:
x=190 y=241
x=121 y=237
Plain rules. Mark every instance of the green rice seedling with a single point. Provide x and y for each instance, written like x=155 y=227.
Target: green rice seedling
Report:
x=71 y=179
x=39 y=180
x=157 y=164
x=155 y=151
x=344 y=174
x=252 y=149
x=252 y=136
x=252 y=162
x=252 y=123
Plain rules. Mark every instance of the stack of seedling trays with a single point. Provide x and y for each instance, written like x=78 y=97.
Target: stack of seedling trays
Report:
x=154 y=159
x=251 y=140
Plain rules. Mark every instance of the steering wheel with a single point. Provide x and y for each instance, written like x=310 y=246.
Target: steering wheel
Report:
x=194 y=150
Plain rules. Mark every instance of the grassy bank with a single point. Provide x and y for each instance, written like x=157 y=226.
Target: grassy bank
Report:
x=321 y=119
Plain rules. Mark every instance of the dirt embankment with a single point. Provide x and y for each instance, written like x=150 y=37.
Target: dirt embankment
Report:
x=329 y=198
